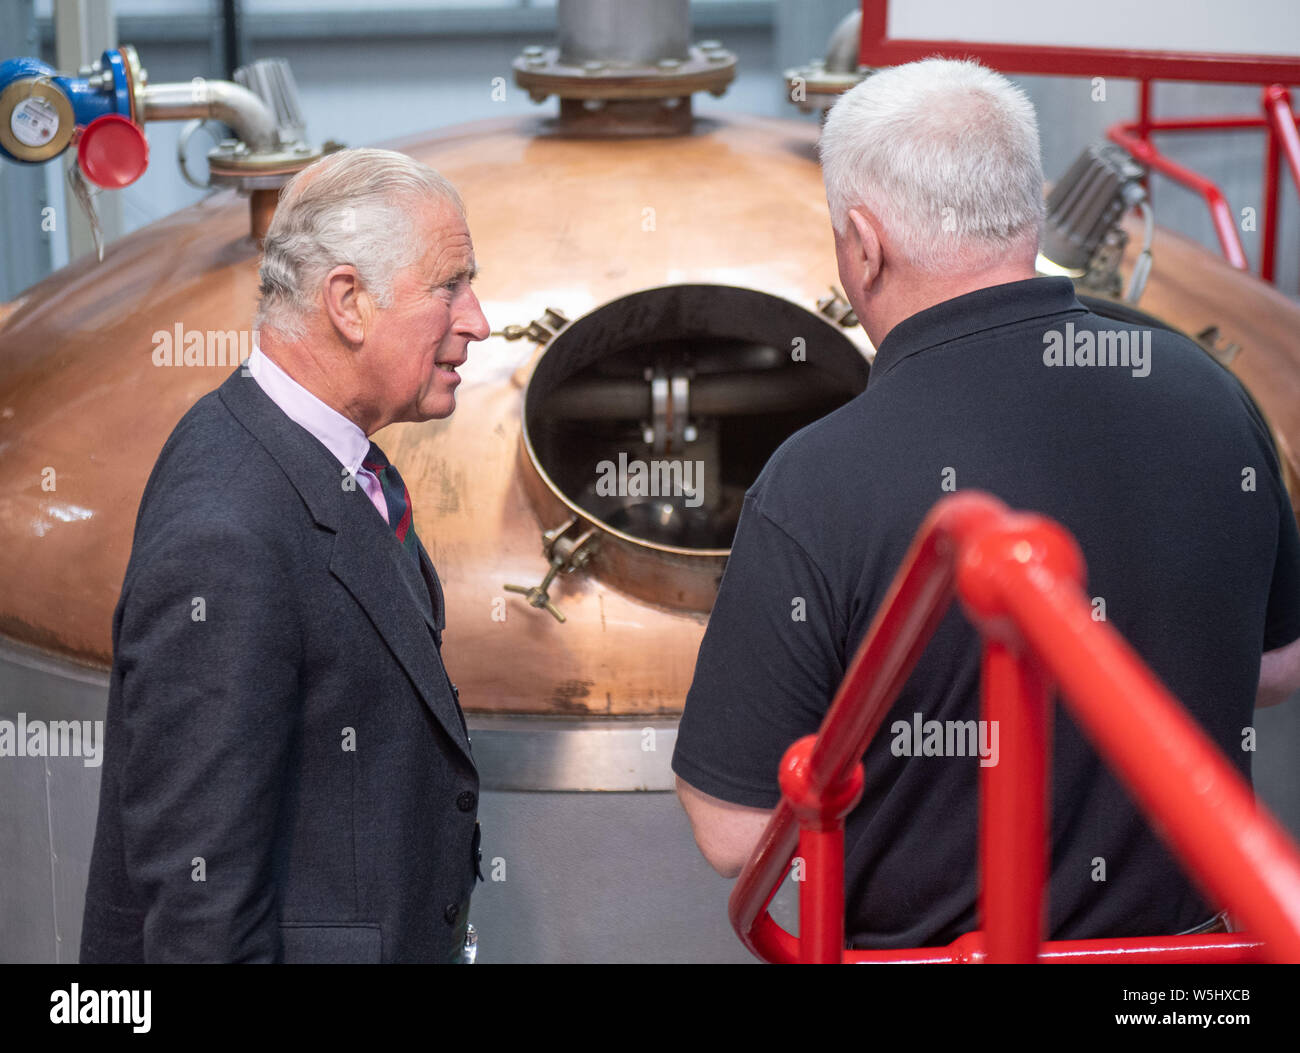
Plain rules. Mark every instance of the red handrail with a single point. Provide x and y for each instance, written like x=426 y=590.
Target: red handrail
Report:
x=1020 y=580
x=1282 y=141
x=1128 y=135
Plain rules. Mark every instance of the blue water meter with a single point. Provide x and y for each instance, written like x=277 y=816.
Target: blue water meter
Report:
x=41 y=109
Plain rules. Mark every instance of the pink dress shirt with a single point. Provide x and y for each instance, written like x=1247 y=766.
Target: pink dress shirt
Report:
x=342 y=437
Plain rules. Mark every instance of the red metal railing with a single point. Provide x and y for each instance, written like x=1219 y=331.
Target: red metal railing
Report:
x=1020 y=581
x=1278 y=121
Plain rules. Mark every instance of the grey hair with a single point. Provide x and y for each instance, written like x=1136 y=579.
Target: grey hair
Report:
x=350 y=207
x=945 y=155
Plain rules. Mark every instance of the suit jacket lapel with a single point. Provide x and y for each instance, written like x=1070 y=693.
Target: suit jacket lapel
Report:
x=439 y=619
x=364 y=553
x=365 y=561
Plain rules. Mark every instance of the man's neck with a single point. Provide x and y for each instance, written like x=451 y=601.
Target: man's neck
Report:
x=304 y=366
x=917 y=292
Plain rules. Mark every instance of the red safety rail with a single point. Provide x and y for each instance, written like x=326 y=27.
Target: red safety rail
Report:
x=1280 y=123
x=1271 y=72
x=1020 y=580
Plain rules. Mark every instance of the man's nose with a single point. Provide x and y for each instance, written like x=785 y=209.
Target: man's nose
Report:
x=476 y=323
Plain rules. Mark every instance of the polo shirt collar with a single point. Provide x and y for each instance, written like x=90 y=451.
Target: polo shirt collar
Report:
x=973 y=313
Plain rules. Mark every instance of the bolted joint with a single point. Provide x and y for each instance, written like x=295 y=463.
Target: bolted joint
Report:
x=1275 y=93
x=825 y=810
x=985 y=575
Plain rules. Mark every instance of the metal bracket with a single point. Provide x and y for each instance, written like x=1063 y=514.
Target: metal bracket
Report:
x=1208 y=338
x=1102 y=276
x=670 y=427
x=565 y=554
x=542 y=330
x=837 y=308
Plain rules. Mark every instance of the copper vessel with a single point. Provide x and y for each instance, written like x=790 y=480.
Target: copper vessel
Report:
x=718 y=242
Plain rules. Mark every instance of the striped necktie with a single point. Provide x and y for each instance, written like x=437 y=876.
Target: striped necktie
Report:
x=396 y=497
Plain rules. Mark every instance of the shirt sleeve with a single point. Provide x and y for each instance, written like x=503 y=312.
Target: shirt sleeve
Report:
x=771 y=659
x=1282 y=618
x=1283 y=621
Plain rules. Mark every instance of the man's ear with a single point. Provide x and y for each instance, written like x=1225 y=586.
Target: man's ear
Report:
x=347 y=303
x=866 y=242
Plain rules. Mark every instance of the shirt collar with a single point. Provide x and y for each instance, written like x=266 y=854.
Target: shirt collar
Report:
x=341 y=436
x=971 y=314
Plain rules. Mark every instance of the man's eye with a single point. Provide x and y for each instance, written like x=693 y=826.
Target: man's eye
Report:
x=456 y=284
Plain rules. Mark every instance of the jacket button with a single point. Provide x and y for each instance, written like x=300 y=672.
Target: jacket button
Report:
x=466 y=800
x=451 y=913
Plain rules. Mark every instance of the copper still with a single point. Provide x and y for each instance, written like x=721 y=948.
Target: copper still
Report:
x=725 y=230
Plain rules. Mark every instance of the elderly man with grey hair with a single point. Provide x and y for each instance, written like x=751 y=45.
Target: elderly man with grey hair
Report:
x=934 y=185
x=288 y=776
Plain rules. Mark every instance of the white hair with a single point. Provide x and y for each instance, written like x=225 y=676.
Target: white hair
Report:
x=351 y=207
x=944 y=154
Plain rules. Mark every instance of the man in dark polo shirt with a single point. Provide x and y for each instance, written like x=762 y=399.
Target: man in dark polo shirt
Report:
x=1155 y=460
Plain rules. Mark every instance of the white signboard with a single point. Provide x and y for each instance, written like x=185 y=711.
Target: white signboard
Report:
x=1246 y=27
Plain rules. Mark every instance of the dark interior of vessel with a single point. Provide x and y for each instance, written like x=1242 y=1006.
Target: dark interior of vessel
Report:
x=657 y=411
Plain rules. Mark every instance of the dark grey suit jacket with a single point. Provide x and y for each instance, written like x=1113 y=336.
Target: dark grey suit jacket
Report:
x=287 y=772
